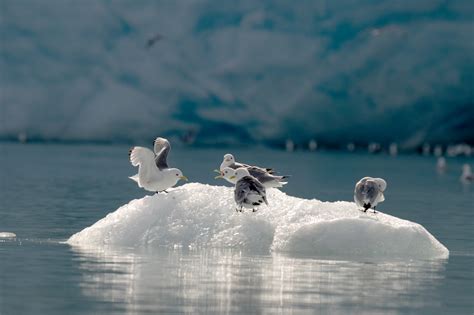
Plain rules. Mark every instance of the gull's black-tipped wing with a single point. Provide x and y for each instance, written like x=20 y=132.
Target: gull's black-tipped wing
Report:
x=262 y=175
x=257 y=186
x=161 y=147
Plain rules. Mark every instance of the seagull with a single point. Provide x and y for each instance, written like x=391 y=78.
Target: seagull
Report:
x=229 y=161
x=249 y=192
x=153 y=171
x=441 y=164
x=266 y=179
x=467 y=175
x=368 y=192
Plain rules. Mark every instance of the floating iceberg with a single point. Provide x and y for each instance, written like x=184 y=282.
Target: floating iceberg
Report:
x=202 y=216
x=7 y=235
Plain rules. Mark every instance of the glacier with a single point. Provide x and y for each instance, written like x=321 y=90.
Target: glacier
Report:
x=247 y=72
x=198 y=216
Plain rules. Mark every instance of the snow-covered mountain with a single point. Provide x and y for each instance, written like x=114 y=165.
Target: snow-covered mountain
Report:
x=238 y=71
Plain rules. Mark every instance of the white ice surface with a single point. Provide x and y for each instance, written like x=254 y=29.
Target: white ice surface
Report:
x=7 y=235
x=202 y=216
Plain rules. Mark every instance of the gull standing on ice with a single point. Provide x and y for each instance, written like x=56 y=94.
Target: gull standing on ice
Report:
x=153 y=171
x=249 y=192
x=467 y=175
x=266 y=179
x=229 y=161
x=368 y=192
x=441 y=164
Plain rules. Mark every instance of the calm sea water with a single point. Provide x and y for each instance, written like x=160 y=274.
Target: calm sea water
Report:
x=49 y=192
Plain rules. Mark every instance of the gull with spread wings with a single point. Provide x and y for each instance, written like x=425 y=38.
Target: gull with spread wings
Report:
x=153 y=171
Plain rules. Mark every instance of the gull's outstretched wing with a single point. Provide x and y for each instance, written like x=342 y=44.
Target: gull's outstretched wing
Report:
x=140 y=156
x=161 y=147
x=143 y=158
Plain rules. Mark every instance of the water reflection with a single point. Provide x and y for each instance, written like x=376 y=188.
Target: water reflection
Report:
x=216 y=281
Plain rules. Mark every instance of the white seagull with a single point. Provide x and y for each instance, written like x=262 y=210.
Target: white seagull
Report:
x=229 y=161
x=467 y=175
x=266 y=179
x=153 y=171
x=249 y=192
x=441 y=164
x=368 y=192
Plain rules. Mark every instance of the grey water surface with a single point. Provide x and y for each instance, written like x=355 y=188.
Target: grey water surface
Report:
x=50 y=191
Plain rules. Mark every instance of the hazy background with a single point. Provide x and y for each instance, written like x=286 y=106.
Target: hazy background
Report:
x=244 y=72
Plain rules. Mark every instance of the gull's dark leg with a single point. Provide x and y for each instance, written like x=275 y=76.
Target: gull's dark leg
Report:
x=254 y=210
x=374 y=210
x=366 y=207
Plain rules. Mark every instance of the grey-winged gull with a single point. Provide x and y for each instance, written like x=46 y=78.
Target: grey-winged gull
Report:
x=229 y=161
x=153 y=171
x=368 y=192
x=266 y=179
x=249 y=192
x=467 y=175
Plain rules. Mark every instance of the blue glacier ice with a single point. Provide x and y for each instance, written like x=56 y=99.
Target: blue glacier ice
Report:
x=238 y=72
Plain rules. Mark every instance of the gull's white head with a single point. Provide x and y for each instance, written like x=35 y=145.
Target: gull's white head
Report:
x=229 y=158
x=226 y=173
x=240 y=173
x=176 y=173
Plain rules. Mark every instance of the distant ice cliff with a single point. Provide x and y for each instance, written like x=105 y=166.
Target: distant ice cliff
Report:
x=238 y=72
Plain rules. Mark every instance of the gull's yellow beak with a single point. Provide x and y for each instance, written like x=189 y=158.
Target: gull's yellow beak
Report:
x=218 y=176
x=184 y=178
x=217 y=171
x=232 y=177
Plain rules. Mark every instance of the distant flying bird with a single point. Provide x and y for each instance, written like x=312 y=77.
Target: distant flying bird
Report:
x=151 y=41
x=153 y=171
x=368 y=192
x=249 y=192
